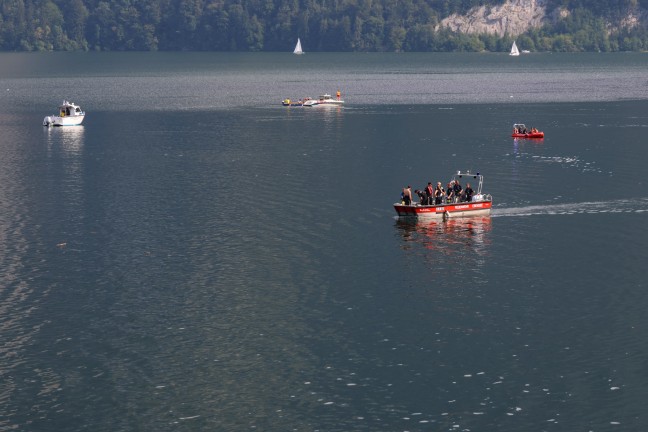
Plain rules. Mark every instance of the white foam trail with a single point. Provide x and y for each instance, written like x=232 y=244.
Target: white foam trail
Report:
x=639 y=205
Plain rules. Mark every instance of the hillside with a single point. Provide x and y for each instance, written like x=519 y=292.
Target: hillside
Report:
x=323 y=25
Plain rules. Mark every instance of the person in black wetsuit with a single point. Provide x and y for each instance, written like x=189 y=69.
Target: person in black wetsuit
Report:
x=468 y=192
x=423 y=200
x=456 y=189
x=439 y=193
x=450 y=192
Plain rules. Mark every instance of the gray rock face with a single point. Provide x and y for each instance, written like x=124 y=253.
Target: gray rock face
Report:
x=513 y=18
x=517 y=16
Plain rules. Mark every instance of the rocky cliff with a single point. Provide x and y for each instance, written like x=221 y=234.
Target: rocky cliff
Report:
x=513 y=18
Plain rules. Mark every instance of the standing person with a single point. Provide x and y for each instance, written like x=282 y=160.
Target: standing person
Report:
x=338 y=94
x=407 y=195
x=439 y=193
x=429 y=193
x=456 y=190
x=468 y=192
x=450 y=191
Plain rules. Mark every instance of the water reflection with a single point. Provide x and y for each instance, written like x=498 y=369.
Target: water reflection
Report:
x=329 y=113
x=70 y=139
x=519 y=142
x=451 y=237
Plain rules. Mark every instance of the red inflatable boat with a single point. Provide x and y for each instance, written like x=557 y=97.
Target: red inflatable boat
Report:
x=521 y=131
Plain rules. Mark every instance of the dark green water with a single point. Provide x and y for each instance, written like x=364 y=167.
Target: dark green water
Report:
x=183 y=263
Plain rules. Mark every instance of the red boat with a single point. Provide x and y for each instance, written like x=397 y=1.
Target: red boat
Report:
x=479 y=205
x=521 y=131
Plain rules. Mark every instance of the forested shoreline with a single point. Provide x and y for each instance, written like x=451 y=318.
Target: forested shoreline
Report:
x=322 y=25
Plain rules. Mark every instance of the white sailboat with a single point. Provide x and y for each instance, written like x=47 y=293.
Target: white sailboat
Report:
x=298 y=48
x=514 y=50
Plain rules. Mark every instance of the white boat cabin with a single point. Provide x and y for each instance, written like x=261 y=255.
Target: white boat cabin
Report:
x=69 y=109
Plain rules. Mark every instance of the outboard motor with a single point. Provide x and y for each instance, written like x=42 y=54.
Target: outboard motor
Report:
x=47 y=121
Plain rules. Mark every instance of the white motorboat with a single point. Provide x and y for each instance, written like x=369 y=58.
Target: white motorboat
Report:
x=69 y=114
x=325 y=99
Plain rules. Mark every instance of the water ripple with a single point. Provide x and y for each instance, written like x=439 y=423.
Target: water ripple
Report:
x=639 y=205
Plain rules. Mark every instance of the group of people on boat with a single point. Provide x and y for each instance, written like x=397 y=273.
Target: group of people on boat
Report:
x=292 y=102
x=524 y=130
x=430 y=195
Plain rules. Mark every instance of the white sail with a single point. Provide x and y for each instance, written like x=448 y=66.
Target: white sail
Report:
x=514 y=50
x=298 y=48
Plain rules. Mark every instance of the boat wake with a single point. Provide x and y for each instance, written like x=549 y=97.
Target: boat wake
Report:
x=639 y=205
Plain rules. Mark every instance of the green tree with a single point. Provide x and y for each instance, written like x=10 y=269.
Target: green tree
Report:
x=372 y=34
x=396 y=38
x=525 y=42
x=420 y=38
x=104 y=27
x=254 y=37
x=563 y=43
x=76 y=16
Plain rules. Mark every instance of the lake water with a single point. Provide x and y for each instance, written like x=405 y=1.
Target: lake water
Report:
x=197 y=257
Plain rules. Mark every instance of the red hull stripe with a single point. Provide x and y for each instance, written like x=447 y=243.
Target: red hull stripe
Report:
x=450 y=208
x=531 y=135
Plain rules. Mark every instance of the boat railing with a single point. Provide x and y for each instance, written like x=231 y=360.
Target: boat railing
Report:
x=483 y=197
x=476 y=198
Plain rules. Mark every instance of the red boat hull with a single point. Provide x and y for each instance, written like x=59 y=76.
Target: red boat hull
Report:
x=479 y=208
x=529 y=135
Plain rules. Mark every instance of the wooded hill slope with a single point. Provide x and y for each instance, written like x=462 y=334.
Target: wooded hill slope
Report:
x=324 y=25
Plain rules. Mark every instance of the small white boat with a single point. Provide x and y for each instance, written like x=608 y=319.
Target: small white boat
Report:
x=298 y=49
x=325 y=99
x=514 y=50
x=479 y=204
x=69 y=114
